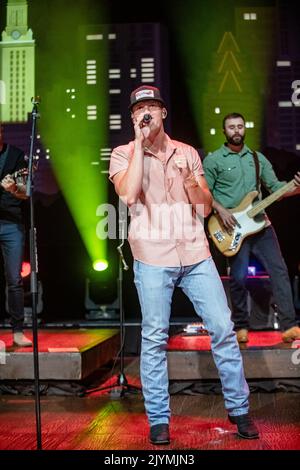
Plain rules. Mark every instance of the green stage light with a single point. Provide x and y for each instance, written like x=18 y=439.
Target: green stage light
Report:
x=74 y=113
x=100 y=265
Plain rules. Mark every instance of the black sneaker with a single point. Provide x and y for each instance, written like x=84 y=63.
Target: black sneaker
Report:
x=159 y=434
x=245 y=425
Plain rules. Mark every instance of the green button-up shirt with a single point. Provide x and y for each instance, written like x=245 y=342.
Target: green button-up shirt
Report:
x=230 y=175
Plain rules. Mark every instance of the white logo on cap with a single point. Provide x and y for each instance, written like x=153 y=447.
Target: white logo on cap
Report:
x=144 y=94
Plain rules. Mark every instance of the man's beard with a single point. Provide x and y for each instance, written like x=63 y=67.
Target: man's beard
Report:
x=235 y=140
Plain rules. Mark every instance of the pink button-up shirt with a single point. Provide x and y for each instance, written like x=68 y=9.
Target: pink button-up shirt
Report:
x=164 y=229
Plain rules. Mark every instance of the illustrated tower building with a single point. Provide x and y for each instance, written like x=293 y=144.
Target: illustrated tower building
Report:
x=17 y=57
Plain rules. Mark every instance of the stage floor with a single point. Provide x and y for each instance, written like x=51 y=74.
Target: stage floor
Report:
x=101 y=422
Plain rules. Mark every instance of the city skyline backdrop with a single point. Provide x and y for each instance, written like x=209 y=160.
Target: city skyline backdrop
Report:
x=85 y=58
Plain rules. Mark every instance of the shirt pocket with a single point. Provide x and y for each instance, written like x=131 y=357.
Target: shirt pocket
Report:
x=172 y=176
x=229 y=174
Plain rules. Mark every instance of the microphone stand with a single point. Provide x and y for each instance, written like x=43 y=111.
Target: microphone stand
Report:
x=121 y=381
x=33 y=275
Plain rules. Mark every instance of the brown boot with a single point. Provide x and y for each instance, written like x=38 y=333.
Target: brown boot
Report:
x=288 y=336
x=242 y=335
x=21 y=340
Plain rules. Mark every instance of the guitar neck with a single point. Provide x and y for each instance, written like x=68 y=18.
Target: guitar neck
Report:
x=270 y=199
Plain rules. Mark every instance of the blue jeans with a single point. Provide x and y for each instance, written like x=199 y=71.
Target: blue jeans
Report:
x=265 y=247
x=12 y=238
x=202 y=284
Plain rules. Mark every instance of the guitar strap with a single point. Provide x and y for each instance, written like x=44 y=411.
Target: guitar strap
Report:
x=256 y=162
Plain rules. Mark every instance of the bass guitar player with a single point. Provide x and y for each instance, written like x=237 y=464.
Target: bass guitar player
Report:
x=233 y=173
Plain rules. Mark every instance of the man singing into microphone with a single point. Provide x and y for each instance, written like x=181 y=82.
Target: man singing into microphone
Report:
x=161 y=180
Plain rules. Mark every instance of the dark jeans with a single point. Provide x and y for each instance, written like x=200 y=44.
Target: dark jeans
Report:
x=265 y=247
x=12 y=237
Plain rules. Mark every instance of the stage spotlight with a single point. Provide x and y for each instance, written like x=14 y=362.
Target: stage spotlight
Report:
x=100 y=265
x=101 y=292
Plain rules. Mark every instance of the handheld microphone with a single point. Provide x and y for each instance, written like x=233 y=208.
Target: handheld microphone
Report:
x=147 y=118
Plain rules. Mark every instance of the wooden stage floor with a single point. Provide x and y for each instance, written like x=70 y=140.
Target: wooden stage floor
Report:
x=100 y=421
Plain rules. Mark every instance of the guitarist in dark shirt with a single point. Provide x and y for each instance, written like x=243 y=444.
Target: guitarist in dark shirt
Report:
x=232 y=172
x=12 y=233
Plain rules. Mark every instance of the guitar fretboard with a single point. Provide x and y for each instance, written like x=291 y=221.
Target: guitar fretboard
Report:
x=270 y=199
